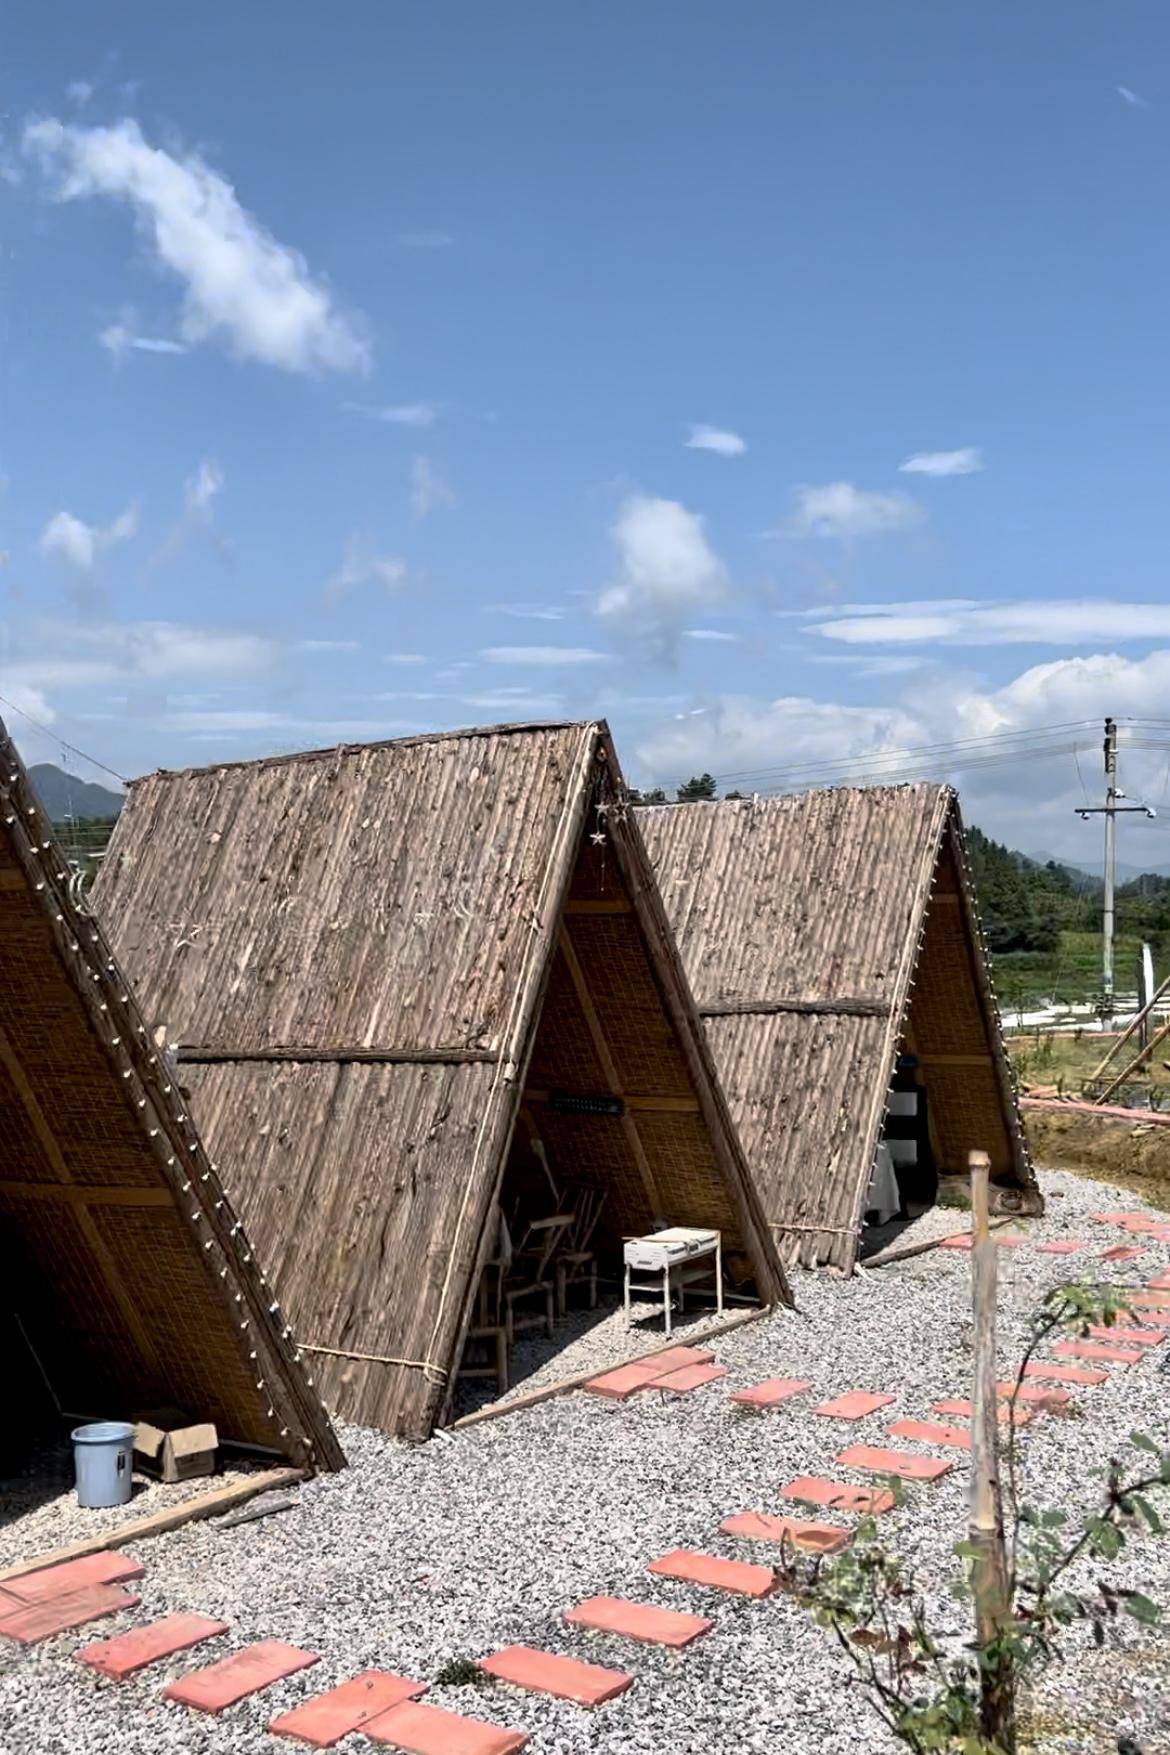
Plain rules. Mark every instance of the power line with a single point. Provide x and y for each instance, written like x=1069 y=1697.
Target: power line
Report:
x=997 y=738
x=65 y=745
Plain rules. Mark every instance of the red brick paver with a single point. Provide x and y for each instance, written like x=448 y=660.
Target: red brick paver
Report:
x=1161 y=1284
x=29 y=1623
x=626 y=1379
x=1150 y=1300
x=1122 y=1252
x=428 y=1730
x=931 y=1432
x=798 y=1532
x=1063 y=1247
x=234 y=1678
x=1147 y=1336
x=327 y=1718
x=1097 y=1350
x=739 y=1576
x=54 y=1581
x=639 y=1621
x=688 y=1377
x=903 y=1463
x=128 y=1652
x=566 y=1678
x=855 y=1405
x=962 y=1409
x=1034 y=1393
x=769 y=1393
x=838 y=1495
x=1048 y=1371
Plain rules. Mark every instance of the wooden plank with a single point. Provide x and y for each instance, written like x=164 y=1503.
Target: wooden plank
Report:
x=212 y=1053
x=84 y=1194
x=929 y=1059
x=597 y=1034
x=598 y=905
x=172 y=1518
x=848 y=1006
x=12 y=880
x=640 y=1103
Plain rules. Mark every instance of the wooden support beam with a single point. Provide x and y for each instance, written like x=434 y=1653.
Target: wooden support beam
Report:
x=848 y=1006
x=639 y=1102
x=599 y=905
x=601 y=1046
x=104 y=1262
x=954 y=1059
x=84 y=1194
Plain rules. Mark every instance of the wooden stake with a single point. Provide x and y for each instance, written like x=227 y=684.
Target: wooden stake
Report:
x=1133 y=1025
x=1138 y=1060
x=989 y=1563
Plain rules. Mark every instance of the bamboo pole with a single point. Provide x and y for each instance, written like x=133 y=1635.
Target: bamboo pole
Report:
x=1134 y=1024
x=1138 y=1060
x=989 y=1560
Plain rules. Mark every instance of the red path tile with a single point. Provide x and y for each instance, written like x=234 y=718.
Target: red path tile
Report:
x=963 y=1409
x=966 y=1239
x=1161 y=1284
x=1121 y=1252
x=327 y=1718
x=931 y=1432
x=639 y=1621
x=855 y=1405
x=762 y=1526
x=1147 y=1336
x=1129 y=1219
x=838 y=1495
x=587 y=1684
x=428 y=1730
x=234 y=1678
x=740 y=1576
x=960 y=1240
x=903 y=1463
x=29 y=1623
x=623 y=1381
x=688 y=1377
x=1034 y=1392
x=1063 y=1247
x=772 y=1391
x=1049 y=1371
x=129 y=1652
x=1150 y=1300
x=1097 y=1350
x=54 y=1581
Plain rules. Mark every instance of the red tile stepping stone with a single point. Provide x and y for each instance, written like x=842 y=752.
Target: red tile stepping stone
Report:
x=1146 y=1336
x=566 y=1678
x=1121 y=1252
x=1097 y=1350
x=903 y=1463
x=798 y=1532
x=838 y=1495
x=931 y=1432
x=1129 y=1219
x=625 y=1379
x=689 y=1377
x=234 y=1678
x=1161 y=1284
x=855 y=1405
x=327 y=1718
x=428 y=1730
x=639 y=1621
x=1034 y=1392
x=1048 y=1371
x=740 y=1576
x=128 y=1652
x=29 y=1623
x=1063 y=1247
x=960 y=1240
x=54 y=1581
x=1150 y=1300
x=963 y=1409
x=772 y=1391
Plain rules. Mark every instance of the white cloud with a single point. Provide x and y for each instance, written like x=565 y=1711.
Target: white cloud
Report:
x=428 y=490
x=838 y=509
x=547 y=656
x=79 y=655
x=404 y=658
x=70 y=539
x=668 y=569
x=1131 y=97
x=241 y=285
x=425 y=240
x=528 y=612
x=328 y=645
x=400 y=414
x=712 y=634
x=966 y=461
x=514 y=701
x=201 y=489
x=966 y=622
x=717 y=439
x=79 y=92
x=360 y=565
x=122 y=338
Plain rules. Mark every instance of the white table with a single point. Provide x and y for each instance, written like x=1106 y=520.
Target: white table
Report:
x=673 y=1251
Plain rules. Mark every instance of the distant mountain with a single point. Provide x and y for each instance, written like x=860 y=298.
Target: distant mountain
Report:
x=64 y=796
x=1126 y=874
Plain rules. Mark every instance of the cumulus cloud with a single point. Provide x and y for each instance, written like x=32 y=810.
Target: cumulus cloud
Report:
x=667 y=570
x=838 y=509
x=543 y=656
x=70 y=539
x=717 y=439
x=398 y=414
x=428 y=490
x=968 y=622
x=241 y=286
x=966 y=461
x=361 y=565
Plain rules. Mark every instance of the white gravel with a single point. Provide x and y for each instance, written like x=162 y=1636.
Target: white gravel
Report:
x=412 y=1557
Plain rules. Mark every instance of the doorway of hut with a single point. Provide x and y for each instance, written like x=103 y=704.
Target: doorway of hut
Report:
x=904 y=1181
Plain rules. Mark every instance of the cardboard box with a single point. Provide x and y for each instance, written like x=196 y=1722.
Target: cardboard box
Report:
x=169 y=1446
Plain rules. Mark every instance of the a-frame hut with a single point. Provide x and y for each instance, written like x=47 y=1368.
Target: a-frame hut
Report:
x=833 y=947
x=127 y=1281
x=413 y=985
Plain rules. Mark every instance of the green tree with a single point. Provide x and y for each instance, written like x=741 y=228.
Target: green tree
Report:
x=698 y=786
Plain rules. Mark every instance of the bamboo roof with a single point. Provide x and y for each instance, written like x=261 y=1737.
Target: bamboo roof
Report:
x=822 y=933
x=369 y=958
x=125 y=1269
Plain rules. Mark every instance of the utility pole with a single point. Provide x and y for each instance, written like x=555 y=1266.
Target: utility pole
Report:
x=1110 y=810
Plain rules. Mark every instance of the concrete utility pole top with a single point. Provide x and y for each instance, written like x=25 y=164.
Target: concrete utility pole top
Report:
x=1110 y=810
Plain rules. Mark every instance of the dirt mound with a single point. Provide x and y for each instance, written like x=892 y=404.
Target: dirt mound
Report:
x=1133 y=1154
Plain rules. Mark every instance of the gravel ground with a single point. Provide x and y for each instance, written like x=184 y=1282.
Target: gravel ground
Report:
x=39 y=1509
x=412 y=1557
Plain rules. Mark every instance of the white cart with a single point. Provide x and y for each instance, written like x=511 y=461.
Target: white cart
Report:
x=678 y=1252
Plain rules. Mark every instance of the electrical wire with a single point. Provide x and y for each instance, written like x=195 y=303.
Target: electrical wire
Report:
x=57 y=738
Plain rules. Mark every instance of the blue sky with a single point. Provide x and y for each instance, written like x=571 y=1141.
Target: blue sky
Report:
x=787 y=383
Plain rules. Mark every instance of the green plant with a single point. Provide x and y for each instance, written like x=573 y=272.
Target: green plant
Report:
x=462 y=1672
x=930 y=1688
